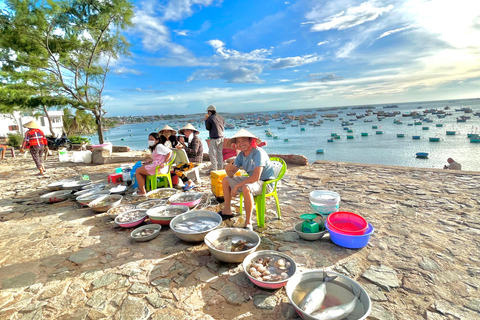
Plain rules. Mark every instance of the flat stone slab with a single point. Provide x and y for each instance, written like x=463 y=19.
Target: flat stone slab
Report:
x=383 y=276
x=82 y=256
x=134 y=309
x=23 y=280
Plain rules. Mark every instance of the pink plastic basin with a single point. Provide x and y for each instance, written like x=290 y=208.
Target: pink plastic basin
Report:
x=347 y=223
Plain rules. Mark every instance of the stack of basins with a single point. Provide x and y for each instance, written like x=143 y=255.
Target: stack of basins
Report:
x=349 y=230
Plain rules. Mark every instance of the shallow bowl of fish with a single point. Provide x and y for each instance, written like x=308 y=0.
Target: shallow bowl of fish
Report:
x=76 y=185
x=57 y=185
x=162 y=193
x=193 y=226
x=120 y=189
x=88 y=197
x=77 y=194
x=105 y=203
x=146 y=233
x=323 y=295
x=96 y=185
x=56 y=196
x=232 y=244
x=309 y=236
x=164 y=214
x=269 y=269
x=131 y=218
x=114 y=212
x=189 y=199
x=151 y=204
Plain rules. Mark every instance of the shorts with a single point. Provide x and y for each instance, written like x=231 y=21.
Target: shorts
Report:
x=255 y=188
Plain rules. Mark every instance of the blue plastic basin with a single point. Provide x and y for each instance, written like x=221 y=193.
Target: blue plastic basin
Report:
x=351 y=242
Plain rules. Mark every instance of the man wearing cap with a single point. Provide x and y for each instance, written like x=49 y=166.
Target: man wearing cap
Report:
x=35 y=141
x=215 y=124
x=256 y=162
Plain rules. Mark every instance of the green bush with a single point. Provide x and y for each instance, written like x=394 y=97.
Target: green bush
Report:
x=15 y=139
x=78 y=139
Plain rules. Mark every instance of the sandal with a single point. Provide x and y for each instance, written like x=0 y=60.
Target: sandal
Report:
x=225 y=216
x=188 y=186
x=249 y=227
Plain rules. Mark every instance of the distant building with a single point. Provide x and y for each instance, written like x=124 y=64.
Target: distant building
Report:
x=14 y=123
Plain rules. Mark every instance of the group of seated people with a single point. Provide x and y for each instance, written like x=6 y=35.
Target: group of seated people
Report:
x=253 y=159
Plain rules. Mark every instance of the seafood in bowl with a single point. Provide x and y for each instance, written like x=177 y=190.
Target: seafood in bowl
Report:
x=120 y=209
x=317 y=295
x=192 y=226
x=151 y=204
x=163 y=193
x=269 y=269
x=189 y=199
x=146 y=233
x=131 y=218
x=164 y=214
x=232 y=244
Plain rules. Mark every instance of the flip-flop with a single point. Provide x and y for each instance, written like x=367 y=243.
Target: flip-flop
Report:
x=249 y=227
x=188 y=187
x=225 y=216
x=136 y=194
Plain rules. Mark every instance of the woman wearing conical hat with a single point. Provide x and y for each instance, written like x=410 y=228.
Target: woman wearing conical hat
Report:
x=191 y=143
x=168 y=136
x=35 y=141
x=256 y=162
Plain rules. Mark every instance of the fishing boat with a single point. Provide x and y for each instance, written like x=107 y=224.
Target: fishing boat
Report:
x=364 y=134
x=286 y=140
x=434 y=139
x=336 y=137
x=330 y=140
x=378 y=132
x=461 y=120
x=424 y=128
x=400 y=135
x=410 y=124
x=472 y=135
x=374 y=127
x=451 y=133
x=422 y=155
x=475 y=140
x=333 y=134
x=349 y=130
x=415 y=137
x=346 y=128
x=319 y=151
x=302 y=129
x=439 y=125
x=350 y=137
x=417 y=123
x=281 y=128
x=275 y=137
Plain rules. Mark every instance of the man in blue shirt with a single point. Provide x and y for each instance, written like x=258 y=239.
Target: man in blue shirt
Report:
x=256 y=162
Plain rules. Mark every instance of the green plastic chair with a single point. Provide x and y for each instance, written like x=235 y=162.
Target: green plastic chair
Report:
x=279 y=167
x=151 y=183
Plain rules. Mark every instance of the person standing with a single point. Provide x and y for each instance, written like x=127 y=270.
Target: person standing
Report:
x=215 y=124
x=453 y=165
x=35 y=141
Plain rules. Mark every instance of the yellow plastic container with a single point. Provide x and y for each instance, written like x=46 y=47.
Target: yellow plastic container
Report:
x=218 y=174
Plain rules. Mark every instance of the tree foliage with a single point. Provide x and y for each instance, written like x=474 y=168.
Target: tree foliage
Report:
x=58 y=53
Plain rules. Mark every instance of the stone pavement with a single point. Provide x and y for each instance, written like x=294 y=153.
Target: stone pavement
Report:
x=59 y=261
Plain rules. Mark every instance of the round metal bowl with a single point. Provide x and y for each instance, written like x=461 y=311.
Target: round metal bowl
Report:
x=76 y=185
x=97 y=185
x=57 y=185
x=194 y=216
x=105 y=203
x=56 y=196
x=151 y=204
x=308 y=236
x=164 y=214
x=120 y=189
x=212 y=238
x=88 y=197
x=135 y=233
x=114 y=212
x=189 y=199
x=295 y=284
x=83 y=192
x=270 y=253
x=142 y=215
x=162 y=193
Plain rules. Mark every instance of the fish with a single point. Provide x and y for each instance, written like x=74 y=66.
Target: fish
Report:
x=337 y=312
x=314 y=299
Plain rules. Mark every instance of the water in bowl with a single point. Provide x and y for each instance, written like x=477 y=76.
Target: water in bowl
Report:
x=234 y=243
x=196 y=224
x=337 y=294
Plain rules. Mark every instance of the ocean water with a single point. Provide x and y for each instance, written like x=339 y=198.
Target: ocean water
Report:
x=375 y=148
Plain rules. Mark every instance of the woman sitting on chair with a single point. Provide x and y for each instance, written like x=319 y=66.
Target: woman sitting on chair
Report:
x=168 y=136
x=160 y=157
x=256 y=163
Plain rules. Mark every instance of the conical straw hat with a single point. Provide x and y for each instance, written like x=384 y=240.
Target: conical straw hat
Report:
x=31 y=125
x=188 y=126
x=168 y=128
x=242 y=134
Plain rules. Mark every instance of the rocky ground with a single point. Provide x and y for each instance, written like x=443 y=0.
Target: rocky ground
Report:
x=60 y=261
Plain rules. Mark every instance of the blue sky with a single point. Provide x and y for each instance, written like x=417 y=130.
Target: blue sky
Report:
x=271 y=55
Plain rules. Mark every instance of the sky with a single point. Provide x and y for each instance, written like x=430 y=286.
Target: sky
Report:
x=252 y=56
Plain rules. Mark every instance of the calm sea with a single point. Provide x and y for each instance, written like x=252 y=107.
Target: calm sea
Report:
x=375 y=148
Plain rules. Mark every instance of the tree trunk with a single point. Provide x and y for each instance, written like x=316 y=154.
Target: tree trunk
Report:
x=98 y=120
x=49 y=120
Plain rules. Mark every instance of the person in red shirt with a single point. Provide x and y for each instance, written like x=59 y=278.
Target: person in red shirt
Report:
x=35 y=141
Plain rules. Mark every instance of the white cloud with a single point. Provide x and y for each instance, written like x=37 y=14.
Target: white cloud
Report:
x=351 y=17
x=387 y=33
x=124 y=70
x=182 y=32
x=322 y=43
x=222 y=52
x=176 y=10
x=292 y=62
x=288 y=42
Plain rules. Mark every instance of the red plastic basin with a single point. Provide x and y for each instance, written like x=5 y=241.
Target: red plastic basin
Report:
x=347 y=223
